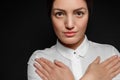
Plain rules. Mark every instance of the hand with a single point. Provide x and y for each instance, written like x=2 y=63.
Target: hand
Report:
x=106 y=70
x=52 y=71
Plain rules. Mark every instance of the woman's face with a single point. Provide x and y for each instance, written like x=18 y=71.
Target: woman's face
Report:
x=70 y=19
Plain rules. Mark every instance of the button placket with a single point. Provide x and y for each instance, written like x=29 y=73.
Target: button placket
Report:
x=76 y=66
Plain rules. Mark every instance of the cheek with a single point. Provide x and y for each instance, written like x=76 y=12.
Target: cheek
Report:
x=57 y=25
x=82 y=24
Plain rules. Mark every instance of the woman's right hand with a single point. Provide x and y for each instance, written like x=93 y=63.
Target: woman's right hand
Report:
x=105 y=70
x=52 y=70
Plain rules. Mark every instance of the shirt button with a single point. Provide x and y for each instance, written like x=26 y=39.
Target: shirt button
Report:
x=74 y=52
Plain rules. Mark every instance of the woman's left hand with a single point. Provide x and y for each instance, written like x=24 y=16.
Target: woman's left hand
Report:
x=56 y=70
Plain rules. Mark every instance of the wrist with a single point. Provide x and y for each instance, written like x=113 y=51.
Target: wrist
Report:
x=88 y=77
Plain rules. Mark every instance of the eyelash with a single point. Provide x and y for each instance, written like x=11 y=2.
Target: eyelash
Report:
x=77 y=13
x=59 y=14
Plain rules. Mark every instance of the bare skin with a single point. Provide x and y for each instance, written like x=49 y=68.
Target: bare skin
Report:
x=105 y=70
x=53 y=71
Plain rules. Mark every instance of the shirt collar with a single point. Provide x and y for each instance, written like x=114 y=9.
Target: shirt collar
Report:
x=68 y=53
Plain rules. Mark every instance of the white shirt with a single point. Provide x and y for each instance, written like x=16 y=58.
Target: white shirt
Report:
x=77 y=60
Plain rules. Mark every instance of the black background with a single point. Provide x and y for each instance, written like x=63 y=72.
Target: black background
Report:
x=25 y=27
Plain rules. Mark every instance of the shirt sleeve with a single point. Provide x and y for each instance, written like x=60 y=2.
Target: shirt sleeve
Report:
x=31 y=74
x=115 y=51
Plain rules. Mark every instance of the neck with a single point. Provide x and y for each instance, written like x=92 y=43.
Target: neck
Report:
x=73 y=46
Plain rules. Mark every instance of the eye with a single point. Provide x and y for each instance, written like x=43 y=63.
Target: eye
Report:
x=59 y=14
x=79 y=13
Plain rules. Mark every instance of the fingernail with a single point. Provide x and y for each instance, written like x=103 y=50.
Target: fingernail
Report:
x=36 y=59
x=41 y=58
x=56 y=61
x=34 y=64
x=115 y=56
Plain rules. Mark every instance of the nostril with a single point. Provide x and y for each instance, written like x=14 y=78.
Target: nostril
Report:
x=70 y=28
x=69 y=25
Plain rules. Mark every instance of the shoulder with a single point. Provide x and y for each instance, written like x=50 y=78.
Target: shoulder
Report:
x=95 y=44
x=42 y=53
x=103 y=50
x=108 y=48
x=100 y=45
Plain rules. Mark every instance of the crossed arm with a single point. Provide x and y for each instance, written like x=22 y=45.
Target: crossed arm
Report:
x=56 y=70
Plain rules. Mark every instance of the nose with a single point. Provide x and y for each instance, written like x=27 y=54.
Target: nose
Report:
x=69 y=23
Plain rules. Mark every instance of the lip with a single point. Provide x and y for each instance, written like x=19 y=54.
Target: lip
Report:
x=70 y=33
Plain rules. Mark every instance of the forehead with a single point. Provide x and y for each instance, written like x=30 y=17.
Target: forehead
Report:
x=66 y=4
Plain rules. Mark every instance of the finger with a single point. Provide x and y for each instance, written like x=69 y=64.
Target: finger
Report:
x=115 y=68
x=109 y=60
x=41 y=75
x=114 y=63
x=48 y=63
x=97 y=60
x=41 y=72
x=115 y=73
x=59 y=64
x=44 y=65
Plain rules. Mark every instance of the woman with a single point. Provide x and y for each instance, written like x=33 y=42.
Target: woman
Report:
x=73 y=57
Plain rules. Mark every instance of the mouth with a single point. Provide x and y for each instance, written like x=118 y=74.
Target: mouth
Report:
x=70 y=33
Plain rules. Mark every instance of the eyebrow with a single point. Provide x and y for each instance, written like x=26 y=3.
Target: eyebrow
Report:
x=58 y=9
x=82 y=8
x=73 y=11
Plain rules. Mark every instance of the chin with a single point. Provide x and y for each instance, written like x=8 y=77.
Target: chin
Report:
x=70 y=41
